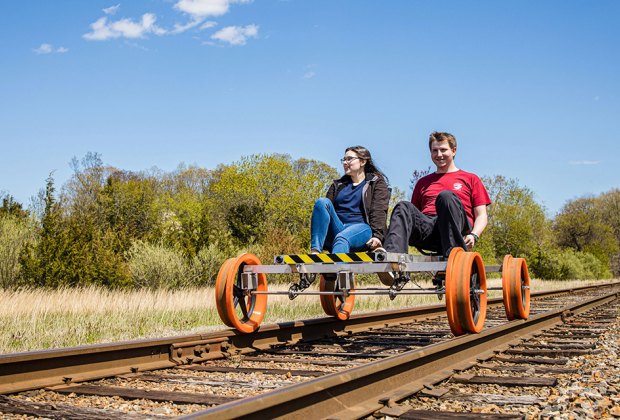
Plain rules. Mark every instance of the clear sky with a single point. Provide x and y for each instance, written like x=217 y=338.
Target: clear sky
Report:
x=531 y=89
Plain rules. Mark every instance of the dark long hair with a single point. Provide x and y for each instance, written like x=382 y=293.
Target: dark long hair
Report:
x=370 y=167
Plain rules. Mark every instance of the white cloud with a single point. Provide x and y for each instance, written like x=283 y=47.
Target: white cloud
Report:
x=179 y=28
x=208 y=24
x=44 y=49
x=309 y=75
x=126 y=28
x=204 y=8
x=236 y=35
x=584 y=162
x=49 y=49
x=111 y=10
x=196 y=10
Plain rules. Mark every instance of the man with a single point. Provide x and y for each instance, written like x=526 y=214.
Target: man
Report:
x=447 y=209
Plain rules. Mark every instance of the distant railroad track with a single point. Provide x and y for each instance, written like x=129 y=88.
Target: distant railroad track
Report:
x=317 y=368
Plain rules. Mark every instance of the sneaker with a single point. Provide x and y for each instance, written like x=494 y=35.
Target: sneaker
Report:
x=379 y=249
x=386 y=278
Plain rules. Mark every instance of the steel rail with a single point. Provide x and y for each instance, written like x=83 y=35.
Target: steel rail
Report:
x=360 y=391
x=38 y=369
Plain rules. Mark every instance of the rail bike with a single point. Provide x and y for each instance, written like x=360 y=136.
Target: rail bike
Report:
x=241 y=287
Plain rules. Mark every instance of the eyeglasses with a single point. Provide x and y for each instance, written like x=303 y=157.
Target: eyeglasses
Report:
x=348 y=159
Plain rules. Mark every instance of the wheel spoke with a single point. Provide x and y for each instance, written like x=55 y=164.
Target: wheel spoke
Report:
x=240 y=300
x=244 y=308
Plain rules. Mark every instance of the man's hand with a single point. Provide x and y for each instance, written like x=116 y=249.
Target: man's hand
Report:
x=470 y=241
x=373 y=243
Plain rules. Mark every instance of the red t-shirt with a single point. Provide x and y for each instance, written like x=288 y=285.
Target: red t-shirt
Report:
x=467 y=187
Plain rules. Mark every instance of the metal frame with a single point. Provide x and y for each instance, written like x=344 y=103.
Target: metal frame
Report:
x=384 y=262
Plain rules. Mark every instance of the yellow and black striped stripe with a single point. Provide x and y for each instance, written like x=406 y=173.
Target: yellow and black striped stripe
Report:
x=327 y=258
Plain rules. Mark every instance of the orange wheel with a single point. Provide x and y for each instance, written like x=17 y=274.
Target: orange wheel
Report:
x=220 y=291
x=238 y=308
x=451 y=302
x=507 y=282
x=335 y=305
x=466 y=292
x=516 y=288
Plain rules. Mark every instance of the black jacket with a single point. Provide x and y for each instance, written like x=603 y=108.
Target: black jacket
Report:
x=375 y=200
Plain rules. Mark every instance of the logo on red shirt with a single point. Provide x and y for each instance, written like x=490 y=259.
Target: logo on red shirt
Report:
x=457 y=186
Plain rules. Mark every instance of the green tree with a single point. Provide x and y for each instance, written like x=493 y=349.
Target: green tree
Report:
x=184 y=207
x=278 y=188
x=128 y=205
x=610 y=209
x=42 y=262
x=582 y=225
x=15 y=234
x=517 y=223
x=10 y=207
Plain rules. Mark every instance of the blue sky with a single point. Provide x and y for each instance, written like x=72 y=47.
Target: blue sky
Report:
x=529 y=88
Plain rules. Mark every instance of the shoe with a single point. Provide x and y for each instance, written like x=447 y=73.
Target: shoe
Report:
x=379 y=249
x=386 y=278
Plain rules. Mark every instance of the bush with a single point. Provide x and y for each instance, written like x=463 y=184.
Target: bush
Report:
x=155 y=266
x=568 y=264
x=14 y=235
x=206 y=264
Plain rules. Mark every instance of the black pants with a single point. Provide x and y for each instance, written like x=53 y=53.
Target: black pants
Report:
x=441 y=233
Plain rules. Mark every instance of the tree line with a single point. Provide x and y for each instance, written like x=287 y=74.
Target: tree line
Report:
x=117 y=228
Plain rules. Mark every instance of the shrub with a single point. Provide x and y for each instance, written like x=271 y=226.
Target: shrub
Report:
x=206 y=264
x=14 y=235
x=568 y=264
x=154 y=266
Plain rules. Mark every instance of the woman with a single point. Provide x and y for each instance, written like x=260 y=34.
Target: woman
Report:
x=353 y=215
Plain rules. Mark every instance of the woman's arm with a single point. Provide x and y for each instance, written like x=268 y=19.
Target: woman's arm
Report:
x=377 y=214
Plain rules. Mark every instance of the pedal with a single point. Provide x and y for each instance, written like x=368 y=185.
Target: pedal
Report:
x=439 y=281
x=305 y=281
x=400 y=281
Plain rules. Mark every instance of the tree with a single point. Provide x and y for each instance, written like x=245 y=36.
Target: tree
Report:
x=517 y=223
x=42 y=262
x=15 y=234
x=277 y=187
x=12 y=208
x=582 y=225
x=610 y=209
x=184 y=209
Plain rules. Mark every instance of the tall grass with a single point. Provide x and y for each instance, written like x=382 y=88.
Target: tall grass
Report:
x=33 y=319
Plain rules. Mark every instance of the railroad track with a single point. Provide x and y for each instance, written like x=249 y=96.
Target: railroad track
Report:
x=385 y=364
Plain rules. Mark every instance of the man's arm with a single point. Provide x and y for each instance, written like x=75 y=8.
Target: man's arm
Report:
x=480 y=222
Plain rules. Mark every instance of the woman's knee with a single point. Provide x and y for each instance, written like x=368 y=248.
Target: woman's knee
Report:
x=322 y=202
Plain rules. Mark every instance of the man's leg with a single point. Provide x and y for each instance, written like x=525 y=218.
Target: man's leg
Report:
x=452 y=222
x=409 y=226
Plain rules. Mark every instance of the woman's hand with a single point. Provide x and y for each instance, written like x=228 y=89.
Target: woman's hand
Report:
x=373 y=243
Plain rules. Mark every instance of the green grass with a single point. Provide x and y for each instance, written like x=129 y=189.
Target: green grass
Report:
x=32 y=319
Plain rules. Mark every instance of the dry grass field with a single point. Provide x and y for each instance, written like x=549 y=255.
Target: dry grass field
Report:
x=32 y=319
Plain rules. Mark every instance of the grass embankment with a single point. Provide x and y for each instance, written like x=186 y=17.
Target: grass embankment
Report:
x=34 y=319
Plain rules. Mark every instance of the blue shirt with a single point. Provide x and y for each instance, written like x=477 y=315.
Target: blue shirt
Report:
x=349 y=205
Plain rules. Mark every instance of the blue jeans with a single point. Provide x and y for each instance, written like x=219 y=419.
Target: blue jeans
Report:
x=327 y=230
